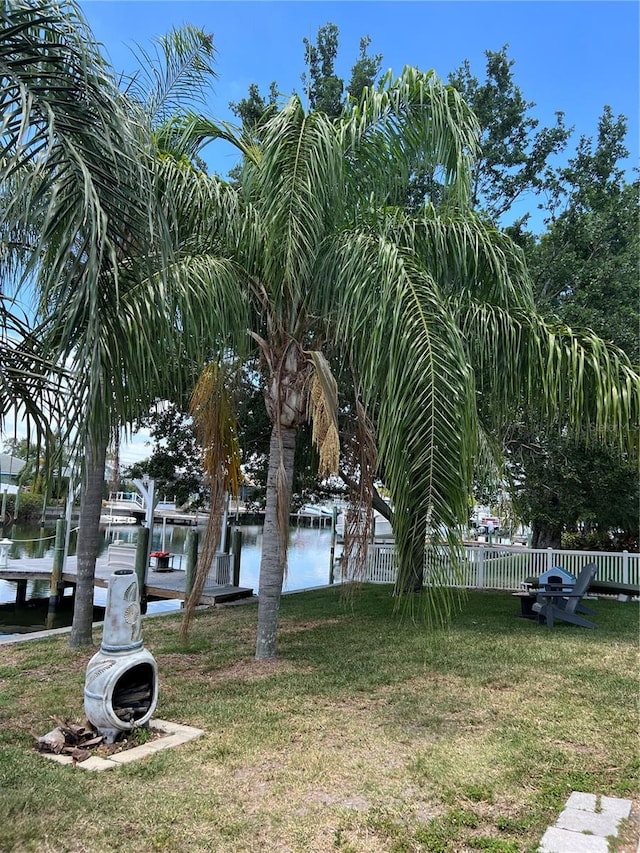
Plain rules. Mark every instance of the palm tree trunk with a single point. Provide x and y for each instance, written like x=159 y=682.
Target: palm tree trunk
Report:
x=274 y=540
x=412 y=580
x=90 y=506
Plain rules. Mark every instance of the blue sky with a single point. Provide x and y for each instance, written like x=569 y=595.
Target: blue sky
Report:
x=571 y=56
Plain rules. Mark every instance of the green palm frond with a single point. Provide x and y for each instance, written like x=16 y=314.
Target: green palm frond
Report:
x=65 y=140
x=195 y=131
x=293 y=188
x=209 y=300
x=562 y=375
x=403 y=122
x=201 y=210
x=471 y=259
x=409 y=355
x=30 y=384
x=176 y=75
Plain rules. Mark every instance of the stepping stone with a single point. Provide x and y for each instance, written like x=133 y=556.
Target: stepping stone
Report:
x=586 y=824
x=564 y=841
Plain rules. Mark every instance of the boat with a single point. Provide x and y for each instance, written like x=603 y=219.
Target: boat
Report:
x=118 y=519
x=383 y=531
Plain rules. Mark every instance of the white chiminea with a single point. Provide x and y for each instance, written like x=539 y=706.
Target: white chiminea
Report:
x=121 y=684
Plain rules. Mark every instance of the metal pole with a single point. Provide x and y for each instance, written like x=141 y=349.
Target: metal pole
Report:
x=142 y=561
x=56 y=572
x=68 y=510
x=223 y=548
x=332 y=552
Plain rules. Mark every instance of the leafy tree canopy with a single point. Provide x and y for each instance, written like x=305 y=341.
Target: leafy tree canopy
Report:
x=515 y=151
x=585 y=270
x=325 y=90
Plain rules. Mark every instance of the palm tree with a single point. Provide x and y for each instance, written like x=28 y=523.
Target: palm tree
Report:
x=61 y=127
x=131 y=346
x=311 y=252
x=86 y=156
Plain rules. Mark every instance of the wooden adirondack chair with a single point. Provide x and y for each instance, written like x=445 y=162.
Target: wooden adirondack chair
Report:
x=555 y=603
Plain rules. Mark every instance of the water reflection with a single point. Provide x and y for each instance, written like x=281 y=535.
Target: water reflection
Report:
x=309 y=550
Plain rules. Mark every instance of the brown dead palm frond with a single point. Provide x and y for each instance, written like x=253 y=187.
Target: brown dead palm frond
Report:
x=359 y=520
x=214 y=418
x=322 y=408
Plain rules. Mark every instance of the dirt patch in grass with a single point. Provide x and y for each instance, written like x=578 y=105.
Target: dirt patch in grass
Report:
x=289 y=627
x=248 y=671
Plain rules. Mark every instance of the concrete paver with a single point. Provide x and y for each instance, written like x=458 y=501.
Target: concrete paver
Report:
x=578 y=800
x=564 y=841
x=586 y=824
x=579 y=820
x=614 y=805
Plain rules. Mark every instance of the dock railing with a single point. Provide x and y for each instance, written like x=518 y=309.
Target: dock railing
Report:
x=503 y=567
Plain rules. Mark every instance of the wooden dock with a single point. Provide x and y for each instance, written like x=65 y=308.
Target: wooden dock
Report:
x=159 y=585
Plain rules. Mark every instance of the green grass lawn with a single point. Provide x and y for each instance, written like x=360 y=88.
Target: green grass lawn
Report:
x=368 y=734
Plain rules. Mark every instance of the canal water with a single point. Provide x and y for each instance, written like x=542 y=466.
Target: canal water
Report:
x=309 y=555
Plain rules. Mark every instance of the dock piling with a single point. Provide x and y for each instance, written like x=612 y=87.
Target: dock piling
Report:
x=332 y=552
x=236 y=547
x=56 y=572
x=21 y=593
x=142 y=561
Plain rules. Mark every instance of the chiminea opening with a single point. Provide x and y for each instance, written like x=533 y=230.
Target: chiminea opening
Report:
x=133 y=693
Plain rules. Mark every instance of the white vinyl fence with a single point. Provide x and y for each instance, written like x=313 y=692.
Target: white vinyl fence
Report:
x=503 y=566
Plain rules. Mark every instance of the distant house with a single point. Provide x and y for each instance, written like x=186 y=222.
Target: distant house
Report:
x=10 y=470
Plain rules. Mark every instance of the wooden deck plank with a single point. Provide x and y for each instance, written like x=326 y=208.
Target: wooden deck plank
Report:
x=161 y=585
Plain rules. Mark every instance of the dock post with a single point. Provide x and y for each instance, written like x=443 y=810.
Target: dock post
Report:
x=236 y=547
x=142 y=561
x=56 y=572
x=21 y=593
x=191 y=550
x=16 y=505
x=3 y=511
x=332 y=552
x=226 y=539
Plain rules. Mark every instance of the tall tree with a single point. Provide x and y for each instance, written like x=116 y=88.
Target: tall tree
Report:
x=514 y=151
x=585 y=271
x=64 y=153
x=432 y=311
x=322 y=86
x=585 y=266
x=325 y=90
x=101 y=229
x=128 y=340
